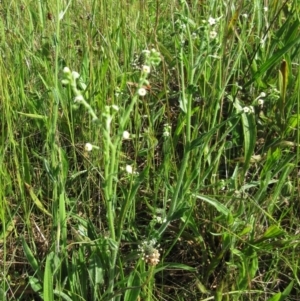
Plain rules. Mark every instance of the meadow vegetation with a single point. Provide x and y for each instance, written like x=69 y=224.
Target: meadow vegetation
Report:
x=149 y=150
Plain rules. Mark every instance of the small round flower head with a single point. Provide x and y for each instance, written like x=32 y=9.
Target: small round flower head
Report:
x=146 y=52
x=260 y=102
x=65 y=82
x=79 y=98
x=129 y=169
x=75 y=74
x=212 y=21
x=149 y=253
x=115 y=107
x=213 y=34
x=142 y=91
x=246 y=110
x=245 y=16
x=66 y=70
x=88 y=147
x=126 y=135
x=262 y=94
x=167 y=130
x=266 y=8
x=146 y=69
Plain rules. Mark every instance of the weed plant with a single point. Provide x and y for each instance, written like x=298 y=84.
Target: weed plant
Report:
x=149 y=150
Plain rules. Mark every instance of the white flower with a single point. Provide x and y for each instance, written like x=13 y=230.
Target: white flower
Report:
x=262 y=94
x=79 y=98
x=126 y=135
x=149 y=252
x=212 y=21
x=88 y=147
x=65 y=81
x=260 y=101
x=167 y=130
x=146 y=51
x=146 y=69
x=212 y=34
x=129 y=169
x=142 y=91
x=66 y=70
x=115 y=107
x=266 y=8
x=75 y=74
x=246 y=110
x=245 y=16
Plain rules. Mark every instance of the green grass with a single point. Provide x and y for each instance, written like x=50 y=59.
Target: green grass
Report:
x=201 y=201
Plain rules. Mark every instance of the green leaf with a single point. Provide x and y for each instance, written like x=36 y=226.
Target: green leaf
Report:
x=220 y=207
x=175 y=266
x=276 y=297
x=31 y=259
x=33 y=116
x=249 y=130
x=272 y=232
x=62 y=295
x=287 y=291
x=178 y=213
x=274 y=59
x=48 y=281
x=134 y=285
x=36 y=200
x=35 y=284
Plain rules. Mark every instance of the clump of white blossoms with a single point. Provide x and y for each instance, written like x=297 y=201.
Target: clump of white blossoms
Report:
x=149 y=252
x=248 y=110
x=167 y=130
x=259 y=99
x=71 y=79
x=151 y=58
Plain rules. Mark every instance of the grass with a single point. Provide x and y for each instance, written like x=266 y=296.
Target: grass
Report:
x=176 y=184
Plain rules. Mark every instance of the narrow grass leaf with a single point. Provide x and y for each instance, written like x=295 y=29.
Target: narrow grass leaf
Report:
x=36 y=200
x=134 y=284
x=276 y=297
x=249 y=130
x=274 y=59
x=174 y=266
x=62 y=295
x=33 y=116
x=31 y=259
x=272 y=232
x=220 y=207
x=287 y=290
x=48 y=281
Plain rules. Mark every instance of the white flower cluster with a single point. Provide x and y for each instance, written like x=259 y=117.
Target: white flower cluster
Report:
x=71 y=79
x=248 y=110
x=260 y=100
x=149 y=253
